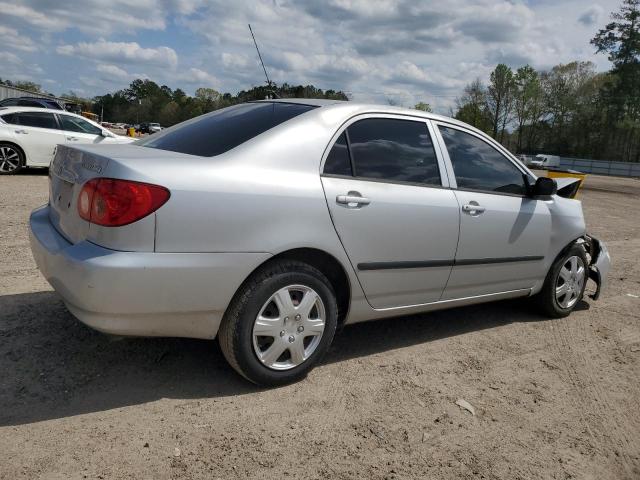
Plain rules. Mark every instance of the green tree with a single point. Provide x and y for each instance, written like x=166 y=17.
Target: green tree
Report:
x=425 y=107
x=620 y=39
x=500 y=98
x=472 y=106
x=527 y=101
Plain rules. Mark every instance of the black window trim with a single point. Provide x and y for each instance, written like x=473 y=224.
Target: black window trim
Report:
x=447 y=159
x=440 y=160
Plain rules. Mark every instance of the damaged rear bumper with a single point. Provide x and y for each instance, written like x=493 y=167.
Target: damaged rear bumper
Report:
x=599 y=264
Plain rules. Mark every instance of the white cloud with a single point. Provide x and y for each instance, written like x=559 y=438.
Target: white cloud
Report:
x=10 y=38
x=112 y=71
x=9 y=57
x=92 y=17
x=199 y=78
x=125 y=52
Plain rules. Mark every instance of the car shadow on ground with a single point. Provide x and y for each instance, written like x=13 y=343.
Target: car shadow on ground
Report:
x=53 y=366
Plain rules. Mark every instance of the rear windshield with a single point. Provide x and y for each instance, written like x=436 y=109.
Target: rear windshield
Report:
x=220 y=131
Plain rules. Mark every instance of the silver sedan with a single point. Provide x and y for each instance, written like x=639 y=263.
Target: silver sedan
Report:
x=269 y=224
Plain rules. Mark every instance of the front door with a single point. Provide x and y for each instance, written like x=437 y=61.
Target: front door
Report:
x=504 y=234
x=78 y=130
x=397 y=223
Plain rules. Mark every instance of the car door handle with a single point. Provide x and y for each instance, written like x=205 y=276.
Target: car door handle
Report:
x=352 y=198
x=23 y=132
x=473 y=209
x=72 y=139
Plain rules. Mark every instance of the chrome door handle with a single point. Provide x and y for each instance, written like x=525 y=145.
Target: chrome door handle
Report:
x=24 y=132
x=72 y=139
x=473 y=209
x=352 y=200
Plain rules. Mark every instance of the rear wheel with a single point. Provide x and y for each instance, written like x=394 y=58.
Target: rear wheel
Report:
x=11 y=159
x=280 y=323
x=564 y=286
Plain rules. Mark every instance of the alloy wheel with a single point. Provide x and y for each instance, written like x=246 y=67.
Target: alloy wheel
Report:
x=9 y=159
x=289 y=327
x=570 y=282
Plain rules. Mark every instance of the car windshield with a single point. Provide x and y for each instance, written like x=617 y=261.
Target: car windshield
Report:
x=220 y=131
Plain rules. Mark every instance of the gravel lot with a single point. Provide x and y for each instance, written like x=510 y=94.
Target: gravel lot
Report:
x=553 y=399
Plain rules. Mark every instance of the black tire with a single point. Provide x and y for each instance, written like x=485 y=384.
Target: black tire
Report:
x=4 y=164
x=547 y=300
x=236 y=330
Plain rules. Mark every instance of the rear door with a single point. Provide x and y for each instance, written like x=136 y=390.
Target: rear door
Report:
x=397 y=221
x=78 y=130
x=504 y=234
x=38 y=134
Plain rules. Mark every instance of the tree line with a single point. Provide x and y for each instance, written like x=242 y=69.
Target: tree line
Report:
x=569 y=110
x=145 y=100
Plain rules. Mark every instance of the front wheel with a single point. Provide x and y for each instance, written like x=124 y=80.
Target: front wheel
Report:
x=565 y=283
x=11 y=159
x=280 y=323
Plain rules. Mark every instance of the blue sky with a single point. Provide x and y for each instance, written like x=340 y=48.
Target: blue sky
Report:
x=402 y=51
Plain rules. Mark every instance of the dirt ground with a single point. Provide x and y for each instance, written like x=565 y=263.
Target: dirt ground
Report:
x=553 y=399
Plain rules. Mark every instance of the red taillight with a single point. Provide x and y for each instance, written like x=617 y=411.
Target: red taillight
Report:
x=112 y=203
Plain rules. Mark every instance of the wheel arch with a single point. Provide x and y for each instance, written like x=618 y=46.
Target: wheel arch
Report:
x=326 y=263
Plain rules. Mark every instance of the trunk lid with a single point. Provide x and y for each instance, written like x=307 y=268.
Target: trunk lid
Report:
x=69 y=170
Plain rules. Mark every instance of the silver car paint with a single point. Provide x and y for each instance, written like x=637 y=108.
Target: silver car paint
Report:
x=266 y=197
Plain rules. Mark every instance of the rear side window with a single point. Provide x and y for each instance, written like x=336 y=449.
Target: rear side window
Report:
x=479 y=166
x=35 y=119
x=397 y=150
x=9 y=118
x=222 y=130
x=338 y=161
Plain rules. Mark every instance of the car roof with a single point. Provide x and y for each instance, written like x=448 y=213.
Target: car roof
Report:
x=367 y=108
x=315 y=102
x=33 y=109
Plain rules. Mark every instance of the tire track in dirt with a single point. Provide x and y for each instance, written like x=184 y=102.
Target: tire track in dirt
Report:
x=571 y=337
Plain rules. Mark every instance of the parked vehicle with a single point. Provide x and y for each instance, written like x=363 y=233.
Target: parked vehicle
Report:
x=545 y=161
x=28 y=136
x=149 y=128
x=32 y=102
x=268 y=224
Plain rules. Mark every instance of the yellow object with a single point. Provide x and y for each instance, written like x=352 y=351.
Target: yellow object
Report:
x=570 y=174
x=90 y=116
x=131 y=132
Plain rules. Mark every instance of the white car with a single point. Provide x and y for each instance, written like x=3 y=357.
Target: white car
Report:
x=545 y=161
x=154 y=127
x=28 y=136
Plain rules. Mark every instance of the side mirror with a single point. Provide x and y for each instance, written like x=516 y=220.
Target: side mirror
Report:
x=105 y=133
x=544 y=187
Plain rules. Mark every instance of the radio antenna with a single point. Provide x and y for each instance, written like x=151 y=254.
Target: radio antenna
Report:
x=259 y=56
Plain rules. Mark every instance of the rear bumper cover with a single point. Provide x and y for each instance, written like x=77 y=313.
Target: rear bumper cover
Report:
x=139 y=293
x=600 y=264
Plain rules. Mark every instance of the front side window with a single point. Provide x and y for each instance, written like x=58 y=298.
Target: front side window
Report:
x=394 y=150
x=35 y=119
x=479 y=166
x=80 y=125
x=338 y=161
x=220 y=131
